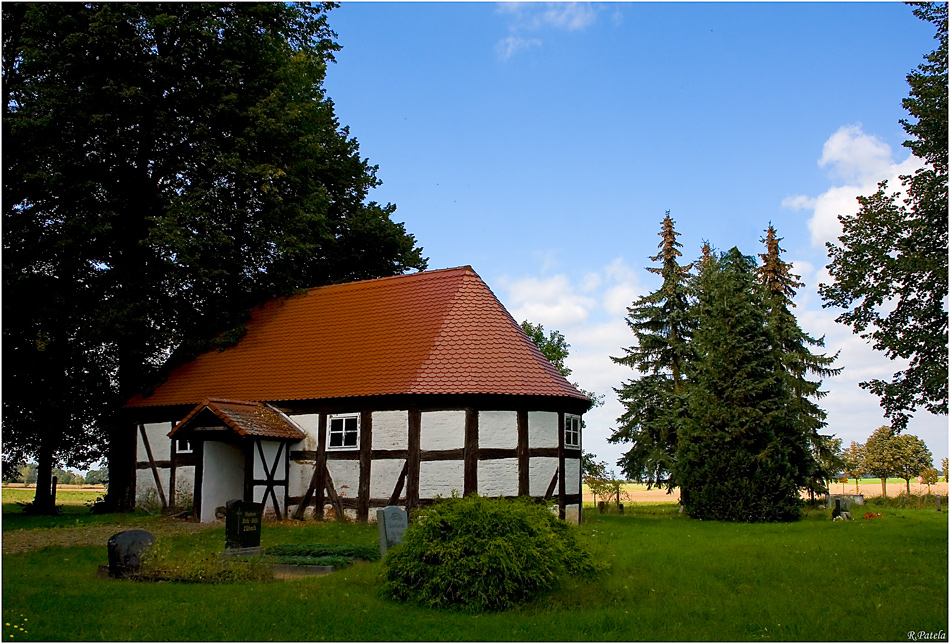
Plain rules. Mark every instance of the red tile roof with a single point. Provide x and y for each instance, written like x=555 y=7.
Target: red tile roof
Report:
x=246 y=418
x=434 y=332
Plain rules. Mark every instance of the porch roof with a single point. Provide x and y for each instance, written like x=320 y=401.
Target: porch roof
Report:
x=255 y=419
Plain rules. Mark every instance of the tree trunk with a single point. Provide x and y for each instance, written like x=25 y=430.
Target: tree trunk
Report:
x=43 y=502
x=908 y=486
x=884 y=485
x=121 y=458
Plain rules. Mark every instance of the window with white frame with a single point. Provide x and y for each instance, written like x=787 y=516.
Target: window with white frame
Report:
x=344 y=432
x=572 y=431
x=183 y=445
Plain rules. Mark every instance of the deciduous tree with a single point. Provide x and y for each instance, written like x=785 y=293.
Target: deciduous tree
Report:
x=854 y=463
x=913 y=457
x=880 y=456
x=175 y=164
x=889 y=272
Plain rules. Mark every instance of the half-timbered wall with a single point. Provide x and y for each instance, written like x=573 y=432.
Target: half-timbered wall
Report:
x=411 y=457
x=156 y=477
x=403 y=457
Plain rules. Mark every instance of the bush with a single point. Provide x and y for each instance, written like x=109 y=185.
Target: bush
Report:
x=304 y=550
x=481 y=554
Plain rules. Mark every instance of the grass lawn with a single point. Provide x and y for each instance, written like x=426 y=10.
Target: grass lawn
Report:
x=64 y=496
x=671 y=578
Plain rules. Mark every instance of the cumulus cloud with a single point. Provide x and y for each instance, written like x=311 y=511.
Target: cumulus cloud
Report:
x=856 y=162
x=590 y=311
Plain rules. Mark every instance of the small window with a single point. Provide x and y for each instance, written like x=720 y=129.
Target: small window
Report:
x=182 y=445
x=344 y=432
x=572 y=431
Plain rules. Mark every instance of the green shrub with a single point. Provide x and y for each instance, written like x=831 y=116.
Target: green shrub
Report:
x=161 y=562
x=369 y=553
x=481 y=554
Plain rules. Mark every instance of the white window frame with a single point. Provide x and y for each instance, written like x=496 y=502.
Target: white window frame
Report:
x=572 y=431
x=343 y=431
x=187 y=449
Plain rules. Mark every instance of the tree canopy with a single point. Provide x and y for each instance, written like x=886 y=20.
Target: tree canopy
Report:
x=739 y=450
x=889 y=271
x=175 y=164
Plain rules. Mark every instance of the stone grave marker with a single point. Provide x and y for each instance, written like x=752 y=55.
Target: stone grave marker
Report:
x=392 y=522
x=125 y=551
x=242 y=524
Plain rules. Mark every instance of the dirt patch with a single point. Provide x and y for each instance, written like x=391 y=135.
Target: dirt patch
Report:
x=17 y=541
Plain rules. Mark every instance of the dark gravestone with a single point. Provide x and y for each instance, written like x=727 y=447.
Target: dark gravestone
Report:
x=242 y=524
x=392 y=522
x=126 y=550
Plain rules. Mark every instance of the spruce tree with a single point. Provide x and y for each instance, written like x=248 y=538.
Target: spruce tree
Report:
x=662 y=323
x=798 y=363
x=733 y=453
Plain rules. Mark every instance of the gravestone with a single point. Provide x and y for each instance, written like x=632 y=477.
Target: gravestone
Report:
x=125 y=551
x=392 y=522
x=242 y=524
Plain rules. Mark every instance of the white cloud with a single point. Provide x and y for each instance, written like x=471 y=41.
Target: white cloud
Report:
x=855 y=156
x=572 y=16
x=508 y=47
x=857 y=162
x=801 y=202
x=535 y=17
x=550 y=301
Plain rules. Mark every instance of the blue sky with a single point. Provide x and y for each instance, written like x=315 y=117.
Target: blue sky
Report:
x=542 y=144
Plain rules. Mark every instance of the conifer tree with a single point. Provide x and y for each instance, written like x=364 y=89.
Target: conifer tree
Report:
x=733 y=453
x=798 y=362
x=663 y=325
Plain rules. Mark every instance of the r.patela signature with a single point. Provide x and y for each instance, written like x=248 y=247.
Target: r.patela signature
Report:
x=926 y=636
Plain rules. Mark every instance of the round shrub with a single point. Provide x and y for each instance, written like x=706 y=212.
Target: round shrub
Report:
x=482 y=554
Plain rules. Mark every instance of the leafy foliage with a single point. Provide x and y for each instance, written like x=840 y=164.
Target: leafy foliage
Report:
x=176 y=165
x=369 y=553
x=890 y=270
x=480 y=554
x=888 y=453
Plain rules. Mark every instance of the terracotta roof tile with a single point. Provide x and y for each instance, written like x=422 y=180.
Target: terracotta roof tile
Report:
x=246 y=418
x=434 y=332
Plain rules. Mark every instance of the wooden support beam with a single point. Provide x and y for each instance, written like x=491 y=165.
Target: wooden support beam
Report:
x=470 y=483
x=524 y=461
x=366 y=463
x=414 y=459
x=151 y=461
x=397 y=491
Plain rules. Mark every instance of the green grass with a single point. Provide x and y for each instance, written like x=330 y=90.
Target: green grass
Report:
x=671 y=578
x=14 y=495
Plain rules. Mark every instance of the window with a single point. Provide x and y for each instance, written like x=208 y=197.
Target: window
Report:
x=182 y=445
x=344 y=432
x=572 y=431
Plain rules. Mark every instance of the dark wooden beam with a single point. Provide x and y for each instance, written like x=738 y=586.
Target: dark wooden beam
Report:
x=366 y=463
x=470 y=483
x=524 y=459
x=414 y=458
